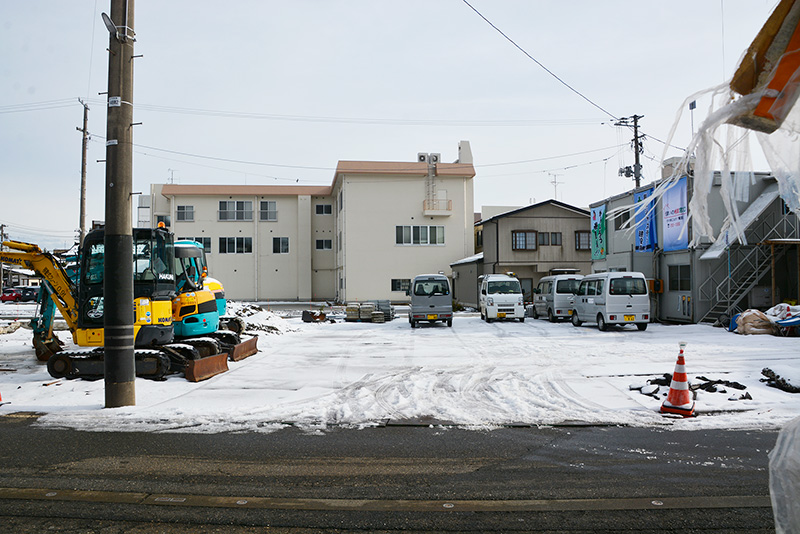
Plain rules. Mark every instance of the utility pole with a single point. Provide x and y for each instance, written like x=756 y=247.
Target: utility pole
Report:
x=120 y=370
x=636 y=172
x=84 y=144
x=555 y=183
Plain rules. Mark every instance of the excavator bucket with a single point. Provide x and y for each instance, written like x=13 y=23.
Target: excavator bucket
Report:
x=244 y=349
x=203 y=368
x=46 y=348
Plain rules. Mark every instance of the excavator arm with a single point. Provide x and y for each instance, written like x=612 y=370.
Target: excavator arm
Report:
x=44 y=264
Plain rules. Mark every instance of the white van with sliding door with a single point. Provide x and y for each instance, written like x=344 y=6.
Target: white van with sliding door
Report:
x=500 y=297
x=552 y=297
x=617 y=298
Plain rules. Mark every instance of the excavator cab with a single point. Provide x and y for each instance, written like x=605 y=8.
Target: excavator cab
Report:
x=153 y=287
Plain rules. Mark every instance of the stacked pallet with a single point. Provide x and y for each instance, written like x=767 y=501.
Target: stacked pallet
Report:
x=352 y=312
x=378 y=317
x=366 y=311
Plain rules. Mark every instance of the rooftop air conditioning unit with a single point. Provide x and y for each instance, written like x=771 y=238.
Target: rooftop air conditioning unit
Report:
x=422 y=157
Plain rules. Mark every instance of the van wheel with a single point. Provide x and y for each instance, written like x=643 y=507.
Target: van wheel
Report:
x=534 y=314
x=550 y=316
x=574 y=319
x=488 y=320
x=449 y=322
x=483 y=317
x=413 y=324
x=522 y=319
x=601 y=323
x=641 y=326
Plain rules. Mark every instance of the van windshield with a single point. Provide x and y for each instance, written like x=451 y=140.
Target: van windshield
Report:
x=431 y=287
x=627 y=286
x=567 y=286
x=504 y=287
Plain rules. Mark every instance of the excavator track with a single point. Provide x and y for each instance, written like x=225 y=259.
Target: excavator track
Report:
x=89 y=364
x=198 y=359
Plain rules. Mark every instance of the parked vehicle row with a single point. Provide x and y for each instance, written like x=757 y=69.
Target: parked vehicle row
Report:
x=20 y=294
x=613 y=298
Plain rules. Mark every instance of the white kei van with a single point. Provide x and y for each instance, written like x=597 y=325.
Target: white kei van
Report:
x=553 y=296
x=500 y=297
x=612 y=298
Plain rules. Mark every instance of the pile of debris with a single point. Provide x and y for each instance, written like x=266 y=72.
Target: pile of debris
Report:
x=780 y=379
x=658 y=388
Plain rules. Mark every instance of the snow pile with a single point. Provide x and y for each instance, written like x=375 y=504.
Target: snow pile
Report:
x=257 y=319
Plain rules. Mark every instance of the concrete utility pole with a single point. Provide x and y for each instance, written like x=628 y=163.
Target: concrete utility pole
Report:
x=83 y=170
x=120 y=370
x=637 y=148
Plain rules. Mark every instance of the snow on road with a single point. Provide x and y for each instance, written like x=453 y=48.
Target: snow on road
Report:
x=474 y=375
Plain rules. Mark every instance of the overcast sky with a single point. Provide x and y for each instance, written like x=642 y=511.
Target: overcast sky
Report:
x=277 y=92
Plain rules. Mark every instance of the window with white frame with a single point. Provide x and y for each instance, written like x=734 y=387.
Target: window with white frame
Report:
x=280 y=245
x=401 y=284
x=419 y=235
x=235 y=210
x=235 y=245
x=184 y=213
x=268 y=210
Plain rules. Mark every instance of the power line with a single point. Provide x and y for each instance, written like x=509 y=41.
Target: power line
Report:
x=551 y=73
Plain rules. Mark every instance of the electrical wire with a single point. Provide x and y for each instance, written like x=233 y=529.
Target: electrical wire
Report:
x=548 y=71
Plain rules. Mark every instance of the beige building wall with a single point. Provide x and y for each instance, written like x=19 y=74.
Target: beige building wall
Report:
x=341 y=238
x=376 y=199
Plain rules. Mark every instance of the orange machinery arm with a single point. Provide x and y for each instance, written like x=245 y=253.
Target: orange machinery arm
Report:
x=44 y=264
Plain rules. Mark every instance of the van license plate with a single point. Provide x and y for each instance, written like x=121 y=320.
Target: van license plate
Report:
x=630 y=317
x=433 y=317
x=501 y=315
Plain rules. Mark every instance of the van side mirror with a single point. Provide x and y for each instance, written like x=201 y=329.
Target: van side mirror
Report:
x=483 y=291
x=408 y=292
x=536 y=290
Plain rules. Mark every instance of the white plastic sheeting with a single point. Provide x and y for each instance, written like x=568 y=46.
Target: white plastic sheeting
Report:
x=784 y=479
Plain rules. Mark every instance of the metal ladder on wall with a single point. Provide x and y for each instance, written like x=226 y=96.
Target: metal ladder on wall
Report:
x=748 y=264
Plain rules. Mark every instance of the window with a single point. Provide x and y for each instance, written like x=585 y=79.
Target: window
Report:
x=205 y=241
x=323 y=244
x=324 y=209
x=401 y=284
x=185 y=213
x=419 y=235
x=680 y=278
x=166 y=219
x=235 y=210
x=268 y=211
x=582 y=240
x=280 y=245
x=523 y=240
x=621 y=220
x=235 y=245
x=555 y=239
x=627 y=286
x=544 y=239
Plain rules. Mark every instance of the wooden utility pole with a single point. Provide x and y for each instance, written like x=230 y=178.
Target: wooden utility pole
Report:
x=120 y=370
x=83 y=170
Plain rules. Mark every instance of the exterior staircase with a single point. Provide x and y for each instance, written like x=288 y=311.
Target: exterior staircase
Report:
x=744 y=266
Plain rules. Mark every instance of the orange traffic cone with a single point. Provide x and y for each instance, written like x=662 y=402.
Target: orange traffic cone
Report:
x=679 y=400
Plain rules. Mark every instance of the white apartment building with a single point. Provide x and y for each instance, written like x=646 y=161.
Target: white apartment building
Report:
x=364 y=237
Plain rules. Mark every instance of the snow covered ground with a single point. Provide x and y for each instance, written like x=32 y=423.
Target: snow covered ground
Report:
x=474 y=375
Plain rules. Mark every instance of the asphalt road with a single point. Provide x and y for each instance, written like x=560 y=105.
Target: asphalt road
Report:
x=386 y=479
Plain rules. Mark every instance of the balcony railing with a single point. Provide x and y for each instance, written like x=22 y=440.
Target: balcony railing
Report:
x=436 y=206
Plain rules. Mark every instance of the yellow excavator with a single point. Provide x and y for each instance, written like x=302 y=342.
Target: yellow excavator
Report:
x=157 y=351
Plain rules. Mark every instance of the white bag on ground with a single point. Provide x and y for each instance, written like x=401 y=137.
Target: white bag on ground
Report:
x=784 y=479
